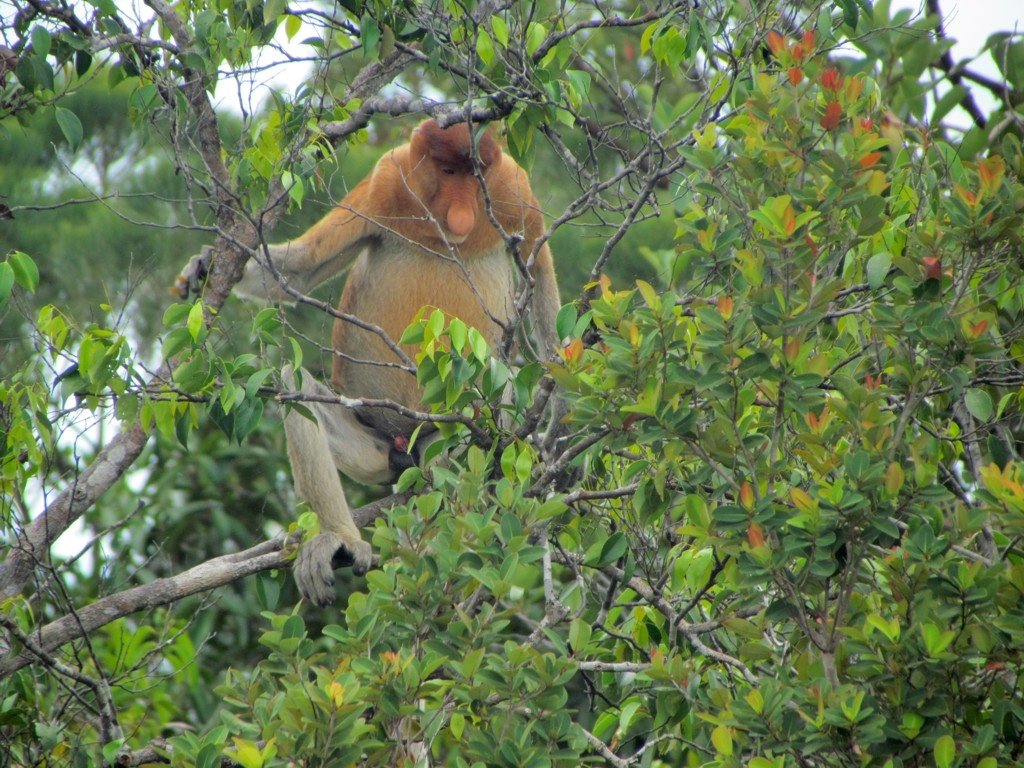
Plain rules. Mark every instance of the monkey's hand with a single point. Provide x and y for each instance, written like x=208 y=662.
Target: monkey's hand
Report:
x=317 y=560
x=192 y=280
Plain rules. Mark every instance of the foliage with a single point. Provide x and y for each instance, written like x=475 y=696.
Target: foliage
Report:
x=784 y=526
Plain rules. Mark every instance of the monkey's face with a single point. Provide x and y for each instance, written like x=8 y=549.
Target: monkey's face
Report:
x=447 y=181
x=456 y=203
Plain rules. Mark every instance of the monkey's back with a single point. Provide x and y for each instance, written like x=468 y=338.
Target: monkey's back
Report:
x=379 y=291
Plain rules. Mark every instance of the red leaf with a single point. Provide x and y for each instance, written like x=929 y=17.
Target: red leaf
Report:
x=870 y=159
x=832 y=80
x=830 y=120
x=776 y=43
x=755 y=535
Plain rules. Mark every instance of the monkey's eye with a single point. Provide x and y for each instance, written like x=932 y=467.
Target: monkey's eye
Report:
x=448 y=171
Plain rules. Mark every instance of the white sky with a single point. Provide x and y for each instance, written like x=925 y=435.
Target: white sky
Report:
x=970 y=22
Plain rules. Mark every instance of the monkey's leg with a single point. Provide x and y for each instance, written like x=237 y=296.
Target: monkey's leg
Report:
x=316 y=450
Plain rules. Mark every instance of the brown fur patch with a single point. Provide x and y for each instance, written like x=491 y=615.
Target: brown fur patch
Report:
x=452 y=147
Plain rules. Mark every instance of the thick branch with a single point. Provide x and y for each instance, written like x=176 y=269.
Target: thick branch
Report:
x=270 y=554
x=117 y=457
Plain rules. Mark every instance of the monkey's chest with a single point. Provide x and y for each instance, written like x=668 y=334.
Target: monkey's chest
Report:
x=390 y=285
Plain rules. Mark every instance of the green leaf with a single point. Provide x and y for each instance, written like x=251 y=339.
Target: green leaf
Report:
x=500 y=30
x=192 y=375
x=195 y=320
x=6 y=281
x=851 y=14
x=579 y=634
x=485 y=47
x=111 y=748
x=891 y=629
x=945 y=751
x=948 y=101
x=457 y=724
x=935 y=640
x=721 y=738
x=174 y=314
x=26 y=274
x=877 y=268
x=292 y=24
x=369 y=34
x=209 y=756
x=83 y=61
x=70 y=126
x=41 y=41
x=979 y=403
x=272 y=9
x=535 y=34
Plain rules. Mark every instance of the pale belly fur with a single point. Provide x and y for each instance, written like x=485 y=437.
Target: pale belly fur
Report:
x=380 y=291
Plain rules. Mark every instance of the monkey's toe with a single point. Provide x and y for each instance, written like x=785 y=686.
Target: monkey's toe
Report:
x=358 y=554
x=317 y=560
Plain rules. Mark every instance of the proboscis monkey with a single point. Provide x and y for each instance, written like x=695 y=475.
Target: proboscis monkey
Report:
x=415 y=233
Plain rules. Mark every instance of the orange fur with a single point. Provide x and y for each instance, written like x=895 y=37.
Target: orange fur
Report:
x=415 y=233
x=420 y=223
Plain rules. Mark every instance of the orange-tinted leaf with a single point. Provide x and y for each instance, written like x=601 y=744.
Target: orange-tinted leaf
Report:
x=893 y=478
x=747 y=496
x=573 y=351
x=872 y=382
x=854 y=88
x=978 y=328
x=801 y=499
x=776 y=43
x=792 y=349
x=796 y=75
x=755 y=535
x=966 y=195
x=725 y=306
x=789 y=220
x=833 y=112
x=870 y=159
x=991 y=171
x=807 y=39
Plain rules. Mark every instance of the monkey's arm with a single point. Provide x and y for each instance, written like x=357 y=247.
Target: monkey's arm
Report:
x=327 y=249
x=546 y=304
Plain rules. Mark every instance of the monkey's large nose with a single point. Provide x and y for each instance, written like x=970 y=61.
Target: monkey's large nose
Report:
x=460 y=220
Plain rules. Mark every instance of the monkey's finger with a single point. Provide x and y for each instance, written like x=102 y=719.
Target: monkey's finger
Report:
x=313 y=570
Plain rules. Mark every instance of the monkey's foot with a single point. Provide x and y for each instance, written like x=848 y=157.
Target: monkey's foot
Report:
x=317 y=559
x=191 y=281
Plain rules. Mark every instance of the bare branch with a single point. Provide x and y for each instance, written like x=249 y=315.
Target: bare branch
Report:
x=265 y=556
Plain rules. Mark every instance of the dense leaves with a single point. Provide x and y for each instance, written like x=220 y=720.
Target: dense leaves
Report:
x=781 y=524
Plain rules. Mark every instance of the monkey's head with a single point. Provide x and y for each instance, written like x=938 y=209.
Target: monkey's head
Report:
x=442 y=175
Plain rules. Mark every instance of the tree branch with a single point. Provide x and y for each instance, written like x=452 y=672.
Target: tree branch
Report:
x=265 y=556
